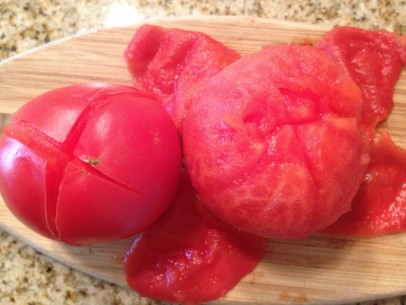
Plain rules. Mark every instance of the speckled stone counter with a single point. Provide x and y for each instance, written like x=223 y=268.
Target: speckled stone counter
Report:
x=25 y=24
x=29 y=278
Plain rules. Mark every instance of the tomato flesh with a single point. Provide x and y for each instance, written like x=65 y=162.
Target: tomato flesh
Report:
x=261 y=139
x=174 y=64
x=108 y=169
x=379 y=206
x=374 y=59
x=189 y=256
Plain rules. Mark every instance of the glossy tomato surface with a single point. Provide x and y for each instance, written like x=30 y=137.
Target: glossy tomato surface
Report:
x=379 y=206
x=189 y=256
x=90 y=162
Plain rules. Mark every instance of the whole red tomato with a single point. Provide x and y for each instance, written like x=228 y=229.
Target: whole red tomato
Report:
x=90 y=163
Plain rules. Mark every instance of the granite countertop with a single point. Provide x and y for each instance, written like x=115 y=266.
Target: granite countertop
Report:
x=28 y=277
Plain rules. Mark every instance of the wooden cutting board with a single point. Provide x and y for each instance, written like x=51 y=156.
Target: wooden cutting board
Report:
x=309 y=271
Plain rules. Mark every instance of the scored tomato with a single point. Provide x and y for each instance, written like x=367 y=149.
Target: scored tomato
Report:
x=90 y=162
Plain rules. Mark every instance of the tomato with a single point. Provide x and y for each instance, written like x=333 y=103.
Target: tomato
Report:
x=273 y=143
x=174 y=64
x=189 y=256
x=380 y=205
x=90 y=162
x=374 y=59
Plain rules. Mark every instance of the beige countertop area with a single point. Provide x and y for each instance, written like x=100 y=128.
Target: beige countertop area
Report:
x=28 y=277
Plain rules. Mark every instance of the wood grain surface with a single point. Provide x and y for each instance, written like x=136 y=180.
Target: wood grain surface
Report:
x=317 y=270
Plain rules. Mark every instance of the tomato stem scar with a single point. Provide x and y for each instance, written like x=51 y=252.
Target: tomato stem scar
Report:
x=94 y=162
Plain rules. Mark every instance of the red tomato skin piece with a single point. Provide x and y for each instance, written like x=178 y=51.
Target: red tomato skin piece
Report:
x=374 y=59
x=379 y=207
x=174 y=64
x=189 y=256
x=255 y=150
x=115 y=168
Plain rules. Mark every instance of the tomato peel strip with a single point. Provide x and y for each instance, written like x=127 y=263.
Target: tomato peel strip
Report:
x=189 y=256
x=174 y=64
x=379 y=206
x=374 y=59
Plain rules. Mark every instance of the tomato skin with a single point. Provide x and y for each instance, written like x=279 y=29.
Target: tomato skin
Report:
x=374 y=59
x=19 y=165
x=189 y=256
x=140 y=141
x=82 y=219
x=110 y=143
x=379 y=206
x=174 y=65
